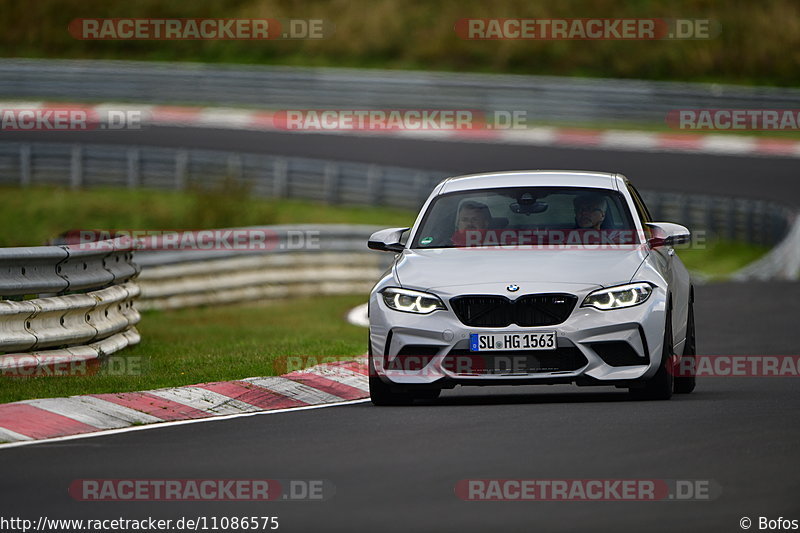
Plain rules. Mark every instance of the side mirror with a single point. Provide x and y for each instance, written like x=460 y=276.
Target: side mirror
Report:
x=387 y=240
x=668 y=234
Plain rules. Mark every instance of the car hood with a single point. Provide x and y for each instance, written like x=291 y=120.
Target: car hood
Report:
x=450 y=267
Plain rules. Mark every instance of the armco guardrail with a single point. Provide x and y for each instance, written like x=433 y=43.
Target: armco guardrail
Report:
x=59 y=269
x=238 y=279
x=782 y=262
x=334 y=182
x=334 y=260
x=78 y=165
x=339 y=264
x=542 y=97
x=721 y=217
x=62 y=304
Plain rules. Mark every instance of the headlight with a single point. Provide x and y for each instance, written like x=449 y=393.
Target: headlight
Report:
x=618 y=297
x=411 y=301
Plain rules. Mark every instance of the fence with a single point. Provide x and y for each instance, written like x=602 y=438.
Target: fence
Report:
x=64 y=304
x=73 y=327
x=338 y=262
x=334 y=182
x=542 y=97
x=77 y=165
x=84 y=297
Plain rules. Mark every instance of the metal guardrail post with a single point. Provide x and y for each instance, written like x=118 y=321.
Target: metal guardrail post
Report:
x=235 y=167
x=684 y=207
x=421 y=188
x=25 y=165
x=731 y=217
x=134 y=176
x=76 y=167
x=181 y=164
x=280 y=178
x=748 y=222
x=709 y=209
x=374 y=184
x=331 y=183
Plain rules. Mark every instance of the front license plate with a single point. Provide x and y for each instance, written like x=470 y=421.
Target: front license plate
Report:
x=492 y=342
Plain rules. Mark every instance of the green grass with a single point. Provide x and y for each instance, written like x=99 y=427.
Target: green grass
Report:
x=227 y=342
x=31 y=216
x=198 y=345
x=720 y=258
x=759 y=42
x=213 y=344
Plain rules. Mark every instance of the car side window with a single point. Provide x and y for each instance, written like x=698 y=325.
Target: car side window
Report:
x=641 y=210
x=641 y=207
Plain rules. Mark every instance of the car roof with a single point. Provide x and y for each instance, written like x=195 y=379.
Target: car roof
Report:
x=539 y=178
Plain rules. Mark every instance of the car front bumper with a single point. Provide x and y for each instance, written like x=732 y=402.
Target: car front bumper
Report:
x=411 y=349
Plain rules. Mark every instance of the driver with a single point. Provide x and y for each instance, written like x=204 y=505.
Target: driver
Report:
x=473 y=216
x=590 y=211
x=472 y=220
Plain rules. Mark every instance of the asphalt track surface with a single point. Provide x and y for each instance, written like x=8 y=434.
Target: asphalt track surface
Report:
x=395 y=468
x=775 y=179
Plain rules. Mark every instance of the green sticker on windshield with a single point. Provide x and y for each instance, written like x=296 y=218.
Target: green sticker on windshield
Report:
x=426 y=240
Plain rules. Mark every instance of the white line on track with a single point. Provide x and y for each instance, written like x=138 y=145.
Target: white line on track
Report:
x=7 y=434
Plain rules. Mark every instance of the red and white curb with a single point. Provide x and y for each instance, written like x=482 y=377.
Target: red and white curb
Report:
x=243 y=119
x=321 y=385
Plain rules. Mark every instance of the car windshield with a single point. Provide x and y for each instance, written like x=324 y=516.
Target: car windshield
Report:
x=526 y=216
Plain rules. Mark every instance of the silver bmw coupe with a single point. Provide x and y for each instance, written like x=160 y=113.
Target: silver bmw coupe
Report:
x=531 y=277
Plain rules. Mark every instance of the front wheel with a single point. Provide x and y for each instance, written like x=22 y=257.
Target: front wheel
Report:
x=381 y=393
x=686 y=384
x=660 y=386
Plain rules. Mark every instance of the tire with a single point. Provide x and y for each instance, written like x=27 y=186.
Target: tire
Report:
x=685 y=385
x=660 y=386
x=381 y=393
x=426 y=394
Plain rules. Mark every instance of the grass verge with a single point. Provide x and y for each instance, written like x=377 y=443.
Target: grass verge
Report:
x=721 y=258
x=213 y=344
x=32 y=215
x=228 y=342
